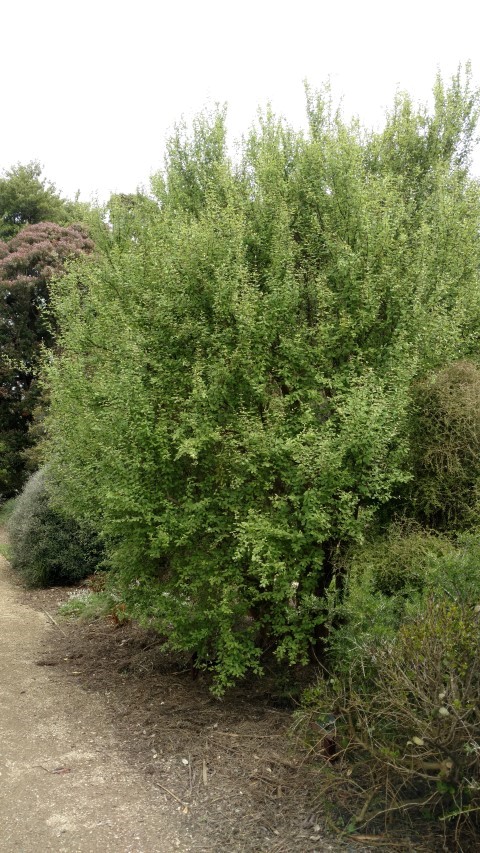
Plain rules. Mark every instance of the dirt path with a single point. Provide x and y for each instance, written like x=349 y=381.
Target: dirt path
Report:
x=64 y=785
x=107 y=744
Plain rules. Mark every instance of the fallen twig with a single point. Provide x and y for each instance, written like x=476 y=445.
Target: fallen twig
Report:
x=244 y=734
x=56 y=770
x=168 y=791
x=54 y=621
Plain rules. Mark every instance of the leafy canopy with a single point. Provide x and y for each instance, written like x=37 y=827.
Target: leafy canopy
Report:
x=26 y=198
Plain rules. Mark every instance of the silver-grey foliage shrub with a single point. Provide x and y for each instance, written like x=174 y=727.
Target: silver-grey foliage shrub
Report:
x=49 y=548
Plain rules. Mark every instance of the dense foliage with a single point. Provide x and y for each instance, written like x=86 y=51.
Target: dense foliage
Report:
x=233 y=398
x=27 y=263
x=389 y=579
x=445 y=490
x=48 y=548
x=26 y=198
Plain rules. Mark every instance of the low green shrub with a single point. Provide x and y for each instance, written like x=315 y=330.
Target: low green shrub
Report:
x=456 y=573
x=87 y=605
x=48 y=548
x=390 y=578
x=401 y=559
x=407 y=738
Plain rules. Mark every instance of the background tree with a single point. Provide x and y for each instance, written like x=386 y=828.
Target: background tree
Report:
x=27 y=263
x=27 y=198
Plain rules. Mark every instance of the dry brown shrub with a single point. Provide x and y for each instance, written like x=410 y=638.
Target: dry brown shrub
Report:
x=405 y=740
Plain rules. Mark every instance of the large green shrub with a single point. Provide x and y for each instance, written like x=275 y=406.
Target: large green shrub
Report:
x=230 y=400
x=48 y=548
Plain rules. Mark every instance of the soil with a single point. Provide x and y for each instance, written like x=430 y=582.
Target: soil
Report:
x=108 y=743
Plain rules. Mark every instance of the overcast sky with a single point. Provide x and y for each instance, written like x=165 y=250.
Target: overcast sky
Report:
x=92 y=89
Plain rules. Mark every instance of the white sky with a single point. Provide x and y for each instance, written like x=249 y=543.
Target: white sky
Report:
x=92 y=89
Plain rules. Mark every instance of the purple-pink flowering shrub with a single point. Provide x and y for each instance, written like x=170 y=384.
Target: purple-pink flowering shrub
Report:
x=27 y=263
